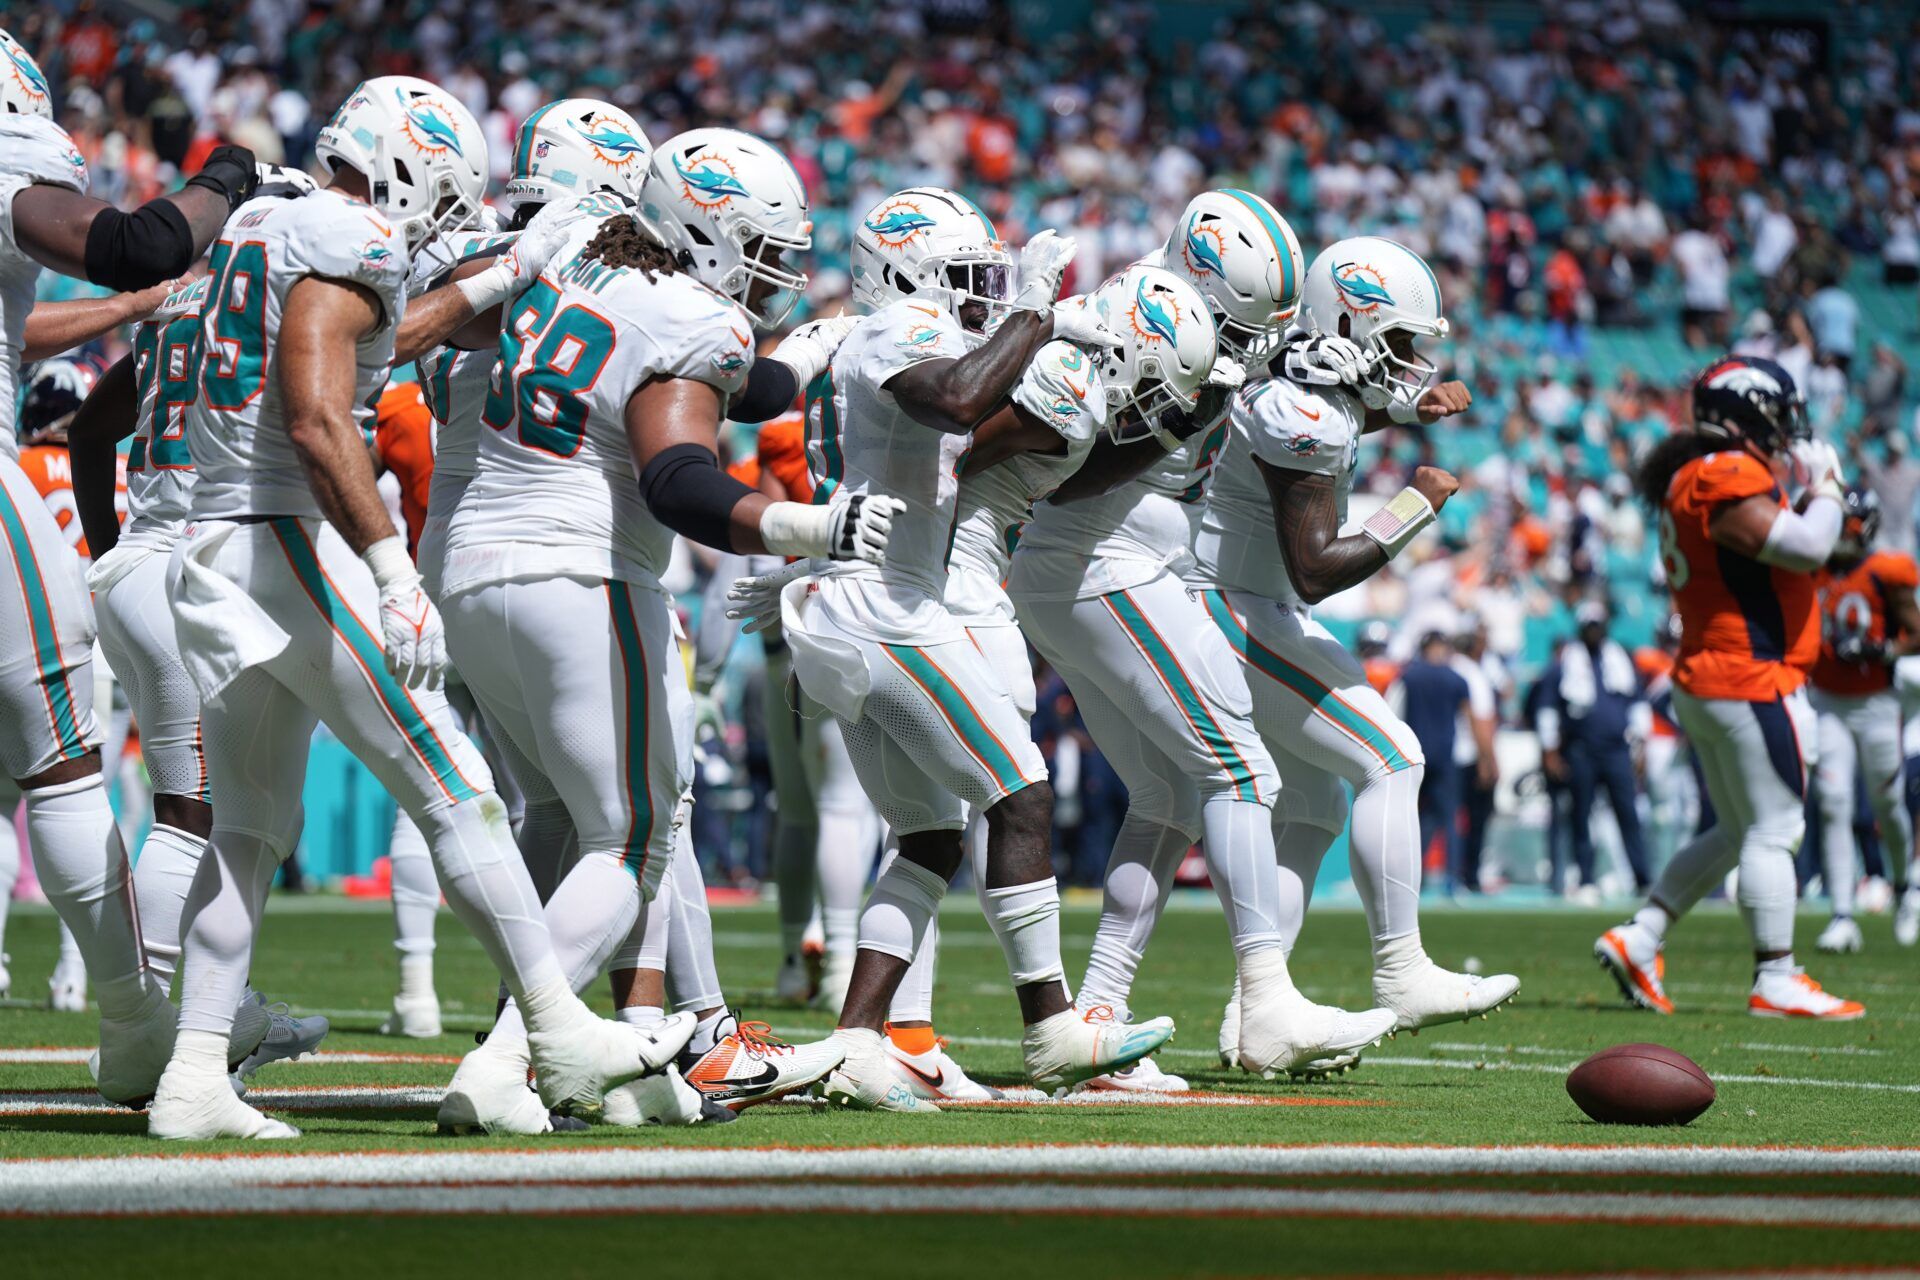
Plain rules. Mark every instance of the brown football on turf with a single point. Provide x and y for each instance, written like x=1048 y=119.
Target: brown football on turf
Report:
x=1640 y=1084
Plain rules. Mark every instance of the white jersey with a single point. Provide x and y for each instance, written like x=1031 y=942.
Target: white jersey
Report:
x=1061 y=387
x=33 y=150
x=859 y=438
x=454 y=381
x=556 y=492
x=166 y=372
x=1286 y=425
x=236 y=428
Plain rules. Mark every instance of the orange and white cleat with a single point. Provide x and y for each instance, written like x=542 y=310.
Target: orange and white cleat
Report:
x=1792 y=994
x=750 y=1065
x=1633 y=956
x=932 y=1074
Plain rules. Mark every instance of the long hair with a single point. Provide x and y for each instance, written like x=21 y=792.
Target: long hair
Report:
x=1667 y=457
x=623 y=242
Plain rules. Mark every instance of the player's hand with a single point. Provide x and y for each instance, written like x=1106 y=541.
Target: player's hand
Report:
x=1081 y=326
x=755 y=601
x=1444 y=401
x=862 y=523
x=1435 y=485
x=1326 y=360
x=144 y=302
x=1043 y=264
x=1859 y=650
x=1813 y=468
x=283 y=181
x=1227 y=372
x=808 y=348
x=412 y=634
x=708 y=721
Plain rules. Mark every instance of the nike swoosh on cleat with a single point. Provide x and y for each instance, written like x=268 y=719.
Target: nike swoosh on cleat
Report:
x=933 y=1081
x=728 y=1085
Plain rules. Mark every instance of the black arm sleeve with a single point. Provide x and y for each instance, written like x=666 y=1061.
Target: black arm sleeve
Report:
x=770 y=389
x=687 y=491
x=130 y=251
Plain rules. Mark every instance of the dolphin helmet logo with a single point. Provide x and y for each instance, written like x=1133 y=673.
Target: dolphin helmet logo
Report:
x=706 y=185
x=1204 y=249
x=611 y=143
x=1362 y=289
x=431 y=131
x=26 y=72
x=1154 y=319
x=898 y=223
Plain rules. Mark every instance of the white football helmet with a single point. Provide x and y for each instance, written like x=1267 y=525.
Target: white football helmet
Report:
x=1367 y=288
x=23 y=86
x=422 y=152
x=932 y=245
x=1168 y=342
x=574 y=147
x=1238 y=251
x=730 y=205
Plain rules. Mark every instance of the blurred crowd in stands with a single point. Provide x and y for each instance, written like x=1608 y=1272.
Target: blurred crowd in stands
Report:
x=1611 y=191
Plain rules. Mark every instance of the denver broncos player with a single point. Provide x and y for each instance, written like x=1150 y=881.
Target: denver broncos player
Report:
x=1868 y=622
x=1740 y=562
x=49 y=742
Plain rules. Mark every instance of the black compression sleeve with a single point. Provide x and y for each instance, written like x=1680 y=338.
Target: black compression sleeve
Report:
x=129 y=251
x=687 y=491
x=769 y=392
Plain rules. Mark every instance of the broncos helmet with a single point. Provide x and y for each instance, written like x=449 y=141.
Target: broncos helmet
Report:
x=54 y=391
x=934 y=245
x=574 y=147
x=1859 y=522
x=1750 y=399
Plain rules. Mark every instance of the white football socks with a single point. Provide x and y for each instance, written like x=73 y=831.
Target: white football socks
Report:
x=162 y=877
x=904 y=899
x=1240 y=859
x=796 y=886
x=1298 y=850
x=1385 y=851
x=490 y=891
x=83 y=869
x=416 y=892
x=1767 y=893
x=1139 y=876
x=221 y=919
x=692 y=976
x=913 y=999
x=1026 y=920
x=9 y=869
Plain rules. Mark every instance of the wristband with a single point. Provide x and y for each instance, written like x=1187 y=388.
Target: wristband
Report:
x=487 y=289
x=1401 y=412
x=798 y=528
x=389 y=561
x=1394 y=525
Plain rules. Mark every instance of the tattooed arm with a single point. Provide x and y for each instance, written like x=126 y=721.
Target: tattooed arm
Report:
x=1306 y=517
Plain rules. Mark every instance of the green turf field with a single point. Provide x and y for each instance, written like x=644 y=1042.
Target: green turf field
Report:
x=1249 y=1178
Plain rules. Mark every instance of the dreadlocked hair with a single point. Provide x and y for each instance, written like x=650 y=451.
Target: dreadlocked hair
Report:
x=623 y=242
x=1667 y=457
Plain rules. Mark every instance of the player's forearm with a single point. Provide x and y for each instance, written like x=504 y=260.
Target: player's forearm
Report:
x=954 y=396
x=55 y=328
x=435 y=317
x=1319 y=562
x=330 y=450
x=106 y=416
x=1802 y=541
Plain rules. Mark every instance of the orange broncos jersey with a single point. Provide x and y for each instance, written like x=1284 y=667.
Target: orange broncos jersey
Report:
x=51 y=471
x=783 y=455
x=1855 y=603
x=1749 y=631
x=403 y=437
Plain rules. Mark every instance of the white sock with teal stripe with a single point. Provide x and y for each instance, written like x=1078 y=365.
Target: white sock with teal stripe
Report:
x=83 y=869
x=162 y=875
x=1026 y=919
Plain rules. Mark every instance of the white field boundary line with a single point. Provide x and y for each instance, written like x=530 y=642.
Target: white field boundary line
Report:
x=1022 y=1198
x=325 y=1058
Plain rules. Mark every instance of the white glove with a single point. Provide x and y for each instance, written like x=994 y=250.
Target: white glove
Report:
x=1326 y=360
x=851 y=526
x=282 y=180
x=411 y=632
x=1043 y=263
x=518 y=267
x=756 y=600
x=1081 y=326
x=1227 y=372
x=807 y=349
x=1814 y=468
x=708 y=722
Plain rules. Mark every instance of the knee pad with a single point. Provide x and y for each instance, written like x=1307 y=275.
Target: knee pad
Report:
x=467 y=836
x=904 y=899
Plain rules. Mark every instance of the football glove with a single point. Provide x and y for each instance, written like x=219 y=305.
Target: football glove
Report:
x=1043 y=264
x=412 y=635
x=1860 y=650
x=807 y=349
x=755 y=601
x=1325 y=360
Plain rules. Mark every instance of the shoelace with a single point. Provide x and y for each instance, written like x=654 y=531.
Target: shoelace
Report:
x=280 y=1013
x=1098 y=1013
x=758 y=1040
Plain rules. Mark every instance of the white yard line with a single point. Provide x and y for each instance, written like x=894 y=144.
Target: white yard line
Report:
x=78 y=1056
x=316 y=1098
x=1839 y=1050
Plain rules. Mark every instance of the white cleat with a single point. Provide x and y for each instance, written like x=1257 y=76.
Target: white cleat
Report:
x=1144 y=1076
x=1430 y=995
x=750 y=1065
x=489 y=1093
x=1287 y=1032
x=1325 y=1068
x=1906 y=918
x=1841 y=936
x=6 y=977
x=1230 y=1031
x=583 y=1057
x=793 y=984
x=67 y=989
x=1633 y=957
x=1794 y=995
x=189 y=1109
x=288 y=1038
x=664 y=1099
x=415 y=1017
x=1069 y=1047
x=865 y=1079
x=134 y=1052
x=935 y=1076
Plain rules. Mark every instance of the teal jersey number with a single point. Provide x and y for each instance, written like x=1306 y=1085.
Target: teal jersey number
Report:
x=168 y=355
x=548 y=359
x=233 y=369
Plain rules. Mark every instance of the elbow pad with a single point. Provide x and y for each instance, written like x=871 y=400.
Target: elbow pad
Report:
x=771 y=387
x=131 y=251
x=687 y=491
x=1802 y=541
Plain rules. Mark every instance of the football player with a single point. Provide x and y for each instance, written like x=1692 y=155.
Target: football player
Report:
x=49 y=741
x=1869 y=621
x=1291 y=462
x=1741 y=561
